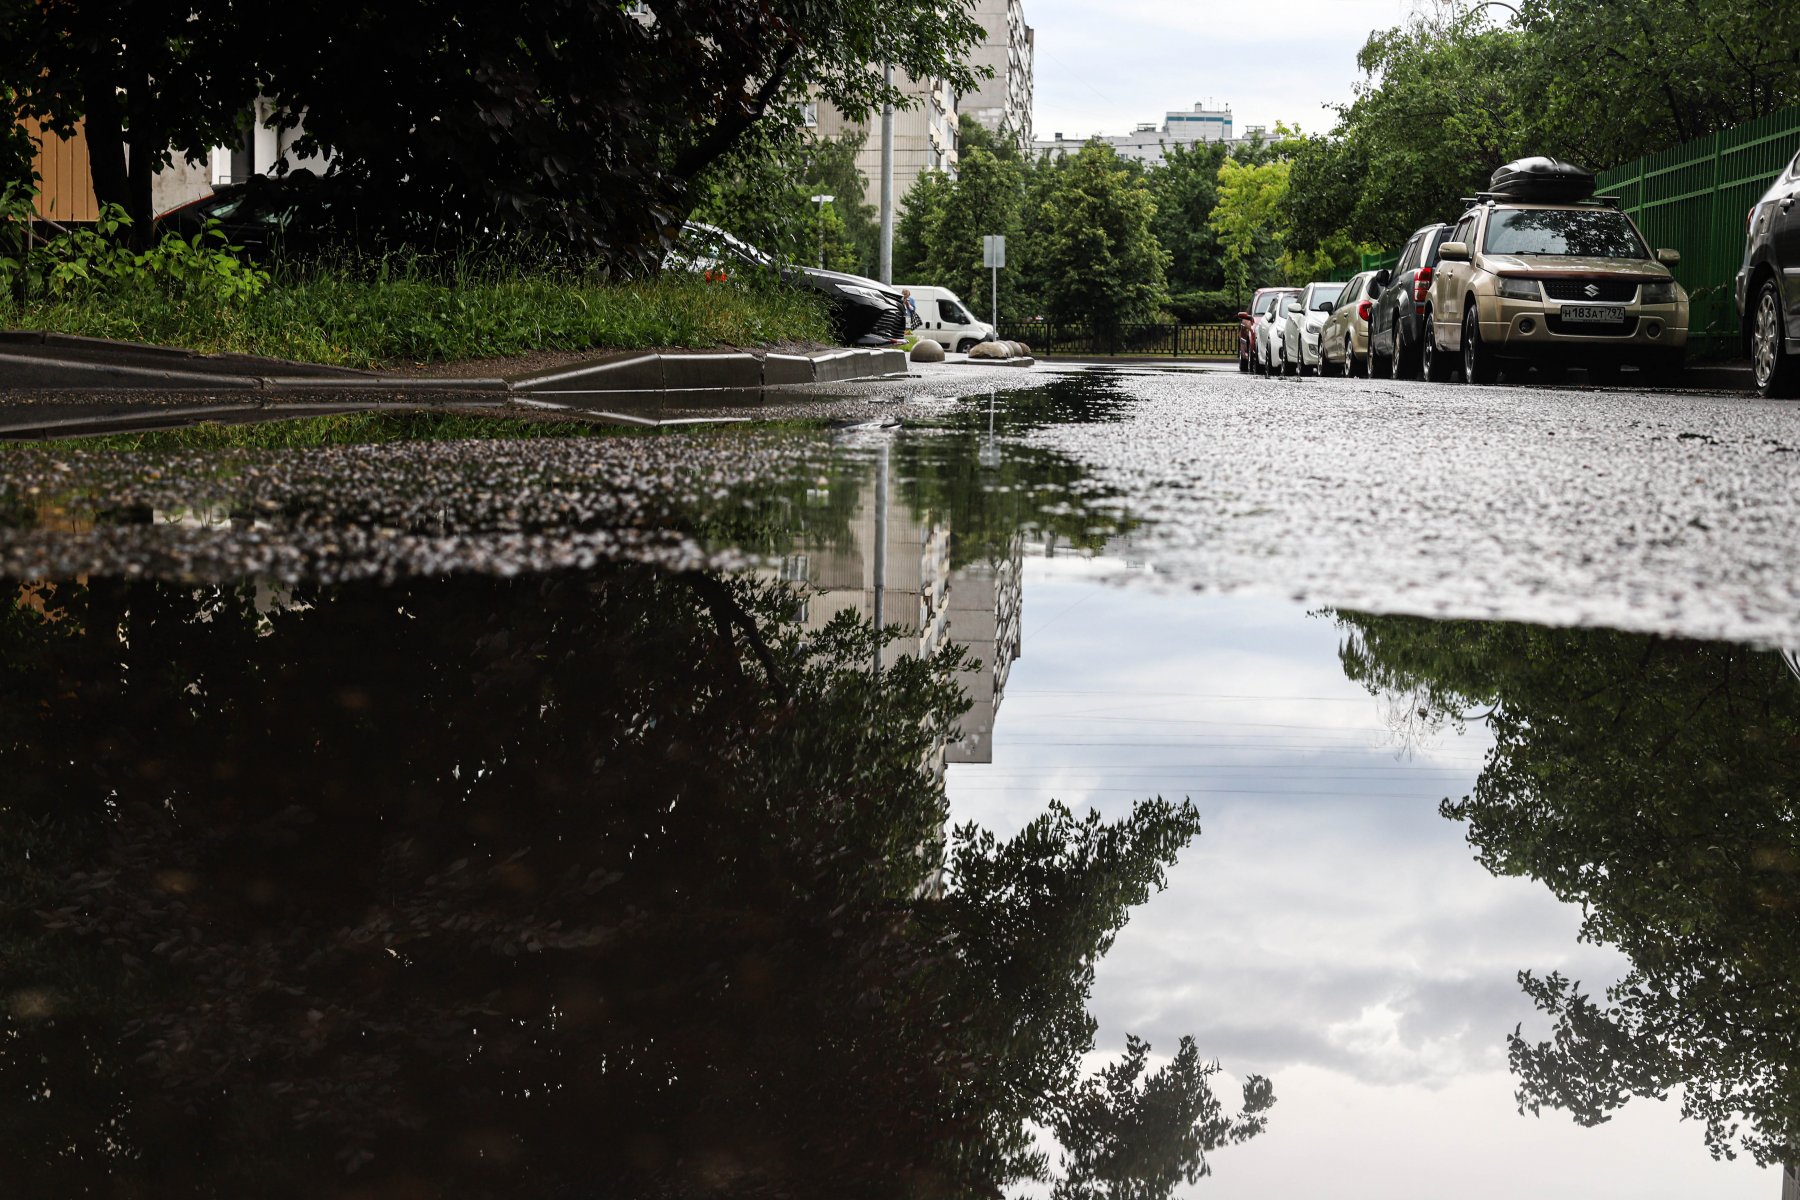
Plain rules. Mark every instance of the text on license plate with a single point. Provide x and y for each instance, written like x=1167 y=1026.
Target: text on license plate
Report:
x=1598 y=314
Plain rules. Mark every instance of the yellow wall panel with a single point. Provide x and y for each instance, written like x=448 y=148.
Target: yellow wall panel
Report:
x=65 y=180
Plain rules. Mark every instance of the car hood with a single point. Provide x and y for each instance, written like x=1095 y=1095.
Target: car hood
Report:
x=818 y=275
x=1558 y=266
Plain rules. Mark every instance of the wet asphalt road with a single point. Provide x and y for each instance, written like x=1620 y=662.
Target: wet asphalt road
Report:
x=1668 y=512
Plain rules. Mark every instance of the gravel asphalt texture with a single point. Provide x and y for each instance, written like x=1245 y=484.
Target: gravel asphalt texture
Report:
x=1662 y=512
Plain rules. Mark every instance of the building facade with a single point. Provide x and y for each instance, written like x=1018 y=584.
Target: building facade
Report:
x=1149 y=142
x=1003 y=104
x=924 y=135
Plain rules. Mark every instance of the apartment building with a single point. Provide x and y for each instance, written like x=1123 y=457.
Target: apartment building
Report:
x=1003 y=104
x=1149 y=142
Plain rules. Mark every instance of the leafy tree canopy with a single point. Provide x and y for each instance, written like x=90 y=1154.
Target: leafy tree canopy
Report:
x=1656 y=783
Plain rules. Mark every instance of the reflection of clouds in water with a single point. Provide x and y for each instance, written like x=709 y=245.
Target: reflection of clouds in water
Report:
x=1328 y=925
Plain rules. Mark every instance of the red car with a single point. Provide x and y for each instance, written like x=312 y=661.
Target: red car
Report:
x=1259 y=306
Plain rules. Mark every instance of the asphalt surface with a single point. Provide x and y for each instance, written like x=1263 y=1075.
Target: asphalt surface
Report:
x=1671 y=512
x=1665 y=512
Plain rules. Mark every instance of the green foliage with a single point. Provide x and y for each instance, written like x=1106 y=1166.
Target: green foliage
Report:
x=454 y=120
x=1246 y=221
x=1099 y=260
x=762 y=192
x=1652 y=782
x=1128 y=1137
x=99 y=261
x=1457 y=91
x=1186 y=189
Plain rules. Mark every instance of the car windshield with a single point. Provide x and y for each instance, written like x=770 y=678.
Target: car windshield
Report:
x=1570 y=232
x=1323 y=298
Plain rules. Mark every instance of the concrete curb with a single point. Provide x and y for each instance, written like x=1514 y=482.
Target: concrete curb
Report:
x=51 y=361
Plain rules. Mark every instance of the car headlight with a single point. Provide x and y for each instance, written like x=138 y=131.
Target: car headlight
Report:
x=1666 y=291
x=863 y=293
x=1520 y=289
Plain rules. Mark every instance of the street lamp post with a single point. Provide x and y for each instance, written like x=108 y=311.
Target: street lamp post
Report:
x=822 y=201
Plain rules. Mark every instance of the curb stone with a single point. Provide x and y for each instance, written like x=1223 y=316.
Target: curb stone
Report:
x=49 y=361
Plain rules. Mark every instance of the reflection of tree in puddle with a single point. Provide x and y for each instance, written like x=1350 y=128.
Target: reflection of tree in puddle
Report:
x=615 y=883
x=1654 y=782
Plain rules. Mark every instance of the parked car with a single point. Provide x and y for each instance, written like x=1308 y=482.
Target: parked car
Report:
x=296 y=214
x=1532 y=277
x=1397 y=322
x=864 y=312
x=1266 y=332
x=946 y=320
x=1301 y=322
x=1768 y=286
x=1260 y=303
x=1344 y=338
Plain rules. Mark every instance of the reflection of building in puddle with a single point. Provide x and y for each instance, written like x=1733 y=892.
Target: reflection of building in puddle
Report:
x=894 y=569
x=986 y=604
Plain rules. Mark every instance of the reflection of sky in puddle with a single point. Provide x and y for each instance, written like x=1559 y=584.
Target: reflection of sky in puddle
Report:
x=1328 y=928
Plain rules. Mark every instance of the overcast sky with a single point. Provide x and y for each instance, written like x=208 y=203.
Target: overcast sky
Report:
x=1328 y=928
x=1103 y=68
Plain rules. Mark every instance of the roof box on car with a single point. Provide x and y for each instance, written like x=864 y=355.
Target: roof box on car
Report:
x=1549 y=180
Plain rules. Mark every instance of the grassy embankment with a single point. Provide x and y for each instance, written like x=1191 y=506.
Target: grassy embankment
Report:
x=383 y=315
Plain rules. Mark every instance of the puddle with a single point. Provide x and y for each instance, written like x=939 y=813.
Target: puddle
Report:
x=615 y=874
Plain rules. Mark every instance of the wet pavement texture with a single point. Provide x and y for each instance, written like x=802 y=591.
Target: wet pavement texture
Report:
x=547 y=819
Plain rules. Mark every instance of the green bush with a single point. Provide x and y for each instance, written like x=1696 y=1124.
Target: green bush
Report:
x=1206 y=308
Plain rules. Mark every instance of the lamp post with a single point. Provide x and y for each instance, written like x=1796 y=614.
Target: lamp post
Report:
x=822 y=201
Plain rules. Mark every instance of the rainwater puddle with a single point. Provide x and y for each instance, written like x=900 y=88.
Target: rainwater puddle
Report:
x=623 y=876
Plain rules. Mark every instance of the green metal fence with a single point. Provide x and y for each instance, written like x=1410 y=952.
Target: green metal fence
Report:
x=1694 y=198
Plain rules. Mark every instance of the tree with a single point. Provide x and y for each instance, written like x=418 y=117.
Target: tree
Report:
x=984 y=200
x=920 y=210
x=762 y=192
x=1098 y=257
x=1127 y=1137
x=1186 y=189
x=585 y=121
x=1246 y=221
x=1652 y=782
x=309 y=916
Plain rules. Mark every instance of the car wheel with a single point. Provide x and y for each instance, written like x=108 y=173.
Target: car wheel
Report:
x=966 y=345
x=1406 y=358
x=1353 y=369
x=1776 y=372
x=1434 y=364
x=1243 y=362
x=1477 y=363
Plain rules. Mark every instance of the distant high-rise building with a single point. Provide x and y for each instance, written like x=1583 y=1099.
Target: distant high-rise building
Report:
x=1149 y=142
x=1003 y=104
x=925 y=131
x=924 y=135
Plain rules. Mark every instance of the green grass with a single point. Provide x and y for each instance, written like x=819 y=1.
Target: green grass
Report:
x=385 y=314
x=368 y=428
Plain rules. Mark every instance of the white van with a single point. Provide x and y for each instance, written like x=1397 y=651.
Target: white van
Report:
x=946 y=320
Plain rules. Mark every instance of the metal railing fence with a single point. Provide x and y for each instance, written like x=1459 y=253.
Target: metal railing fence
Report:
x=1174 y=340
x=1693 y=198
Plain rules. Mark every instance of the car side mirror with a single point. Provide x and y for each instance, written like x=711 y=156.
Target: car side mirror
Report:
x=1292 y=306
x=1453 y=252
x=1669 y=258
x=1243 y=316
x=1384 y=278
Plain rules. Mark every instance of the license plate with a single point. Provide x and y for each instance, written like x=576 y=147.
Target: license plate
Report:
x=1593 y=314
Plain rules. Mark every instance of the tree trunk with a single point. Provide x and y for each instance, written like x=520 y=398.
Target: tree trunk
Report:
x=105 y=138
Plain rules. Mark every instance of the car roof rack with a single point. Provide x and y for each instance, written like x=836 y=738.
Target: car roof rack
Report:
x=1590 y=201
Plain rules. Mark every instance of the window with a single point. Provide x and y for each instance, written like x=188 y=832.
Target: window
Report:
x=1409 y=257
x=1465 y=229
x=1564 y=232
x=1324 y=296
x=954 y=313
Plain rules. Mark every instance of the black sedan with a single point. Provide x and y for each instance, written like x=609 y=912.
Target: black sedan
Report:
x=864 y=312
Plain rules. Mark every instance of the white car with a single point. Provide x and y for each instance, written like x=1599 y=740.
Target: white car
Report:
x=1266 y=331
x=945 y=319
x=1300 y=325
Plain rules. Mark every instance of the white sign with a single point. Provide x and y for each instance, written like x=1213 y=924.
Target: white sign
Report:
x=993 y=250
